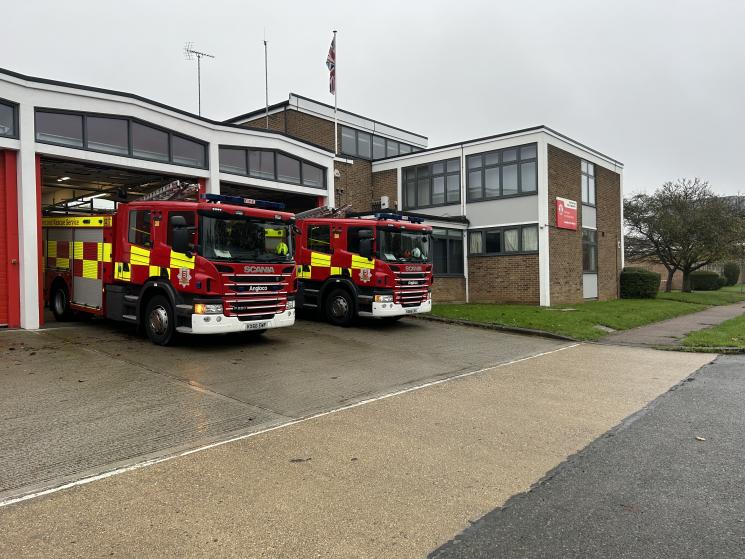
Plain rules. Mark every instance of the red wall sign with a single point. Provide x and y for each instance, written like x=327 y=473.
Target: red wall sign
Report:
x=566 y=213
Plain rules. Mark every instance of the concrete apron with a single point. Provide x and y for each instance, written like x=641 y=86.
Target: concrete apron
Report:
x=393 y=478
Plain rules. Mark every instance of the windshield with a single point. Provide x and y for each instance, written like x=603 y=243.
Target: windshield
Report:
x=403 y=246
x=241 y=238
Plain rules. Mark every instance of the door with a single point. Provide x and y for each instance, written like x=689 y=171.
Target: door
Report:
x=10 y=291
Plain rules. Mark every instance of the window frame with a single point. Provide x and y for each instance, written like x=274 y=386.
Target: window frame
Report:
x=327 y=226
x=373 y=137
x=132 y=213
x=431 y=175
x=590 y=243
x=589 y=175
x=274 y=152
x=501 y=230
x=483 y=167
x=14 y=124
x=130 y=120
x=449 y=237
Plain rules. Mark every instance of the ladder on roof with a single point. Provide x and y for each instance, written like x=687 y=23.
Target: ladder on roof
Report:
x=175 y=190
x=324 y=211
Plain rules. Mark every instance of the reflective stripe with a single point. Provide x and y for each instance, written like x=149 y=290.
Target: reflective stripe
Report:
x=120 y=273
x=335 y=271
x=180 y=260
x=303 y=274
x=154 y=271
x=88 y=221
x=320 y=259
x=77 y=250
x=361 y=263
x=90 y=269
x=52 y=249
x=105 y=252
x=63 y=263
x=138 y=255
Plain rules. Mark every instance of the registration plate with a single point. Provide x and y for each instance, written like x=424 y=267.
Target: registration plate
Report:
x=256 y=325
x=411 y=311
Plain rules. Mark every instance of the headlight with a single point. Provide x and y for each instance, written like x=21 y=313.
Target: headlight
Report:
x=290 y=304
x=384 y=298
x=201 y=308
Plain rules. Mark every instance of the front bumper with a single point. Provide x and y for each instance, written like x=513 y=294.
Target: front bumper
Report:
x=221 y=324
x=381 y=310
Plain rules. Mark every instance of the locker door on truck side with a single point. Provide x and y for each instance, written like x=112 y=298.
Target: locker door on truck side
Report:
x=87 y=284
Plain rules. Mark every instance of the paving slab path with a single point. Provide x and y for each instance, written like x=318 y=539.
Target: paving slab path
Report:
x=671 y=332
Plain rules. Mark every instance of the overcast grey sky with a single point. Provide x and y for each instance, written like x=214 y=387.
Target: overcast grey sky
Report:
x=658 y=85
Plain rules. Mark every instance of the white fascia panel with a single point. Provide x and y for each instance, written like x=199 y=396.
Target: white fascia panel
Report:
x=583 y=153
x=416 y=159
x=544 y=276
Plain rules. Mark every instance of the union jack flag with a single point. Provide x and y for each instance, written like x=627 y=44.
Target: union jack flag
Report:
x=331 y=65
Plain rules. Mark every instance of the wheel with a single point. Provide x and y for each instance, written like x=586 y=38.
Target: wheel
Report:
x=159 y=322
x=339 y=308
x=60 y=303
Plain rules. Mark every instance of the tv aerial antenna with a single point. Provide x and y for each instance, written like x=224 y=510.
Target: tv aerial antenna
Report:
x=190 y=53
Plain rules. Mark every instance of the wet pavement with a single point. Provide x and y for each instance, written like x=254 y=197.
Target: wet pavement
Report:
x=84 y=398
x=395 y=477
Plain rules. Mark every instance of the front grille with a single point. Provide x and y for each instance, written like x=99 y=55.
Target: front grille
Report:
x=411 y=288
x=255 y=296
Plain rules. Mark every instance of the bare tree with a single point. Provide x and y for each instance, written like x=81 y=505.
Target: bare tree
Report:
x=684 y=226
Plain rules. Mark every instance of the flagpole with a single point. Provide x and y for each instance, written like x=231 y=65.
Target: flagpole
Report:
x=336 y=92
x=266 y=80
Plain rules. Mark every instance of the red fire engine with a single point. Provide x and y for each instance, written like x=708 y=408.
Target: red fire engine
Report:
x=215 y=266
x=348 y=267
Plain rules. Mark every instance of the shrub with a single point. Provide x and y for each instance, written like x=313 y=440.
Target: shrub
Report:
x=637 y=283
x=722 y=281
x=705 y=281
x=731 y=273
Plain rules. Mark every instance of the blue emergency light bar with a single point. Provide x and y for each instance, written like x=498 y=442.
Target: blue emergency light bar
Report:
x=397 y=217
x=241 y=201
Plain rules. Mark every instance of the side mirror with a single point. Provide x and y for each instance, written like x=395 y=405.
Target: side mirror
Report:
x=366 y=248
x=180 y=241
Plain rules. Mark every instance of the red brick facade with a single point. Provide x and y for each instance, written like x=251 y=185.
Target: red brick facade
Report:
x=504 y=279
x=608 y=187
x=449 y=289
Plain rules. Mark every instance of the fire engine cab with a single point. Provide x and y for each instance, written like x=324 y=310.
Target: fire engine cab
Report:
x=222 y=264
x=377 y=267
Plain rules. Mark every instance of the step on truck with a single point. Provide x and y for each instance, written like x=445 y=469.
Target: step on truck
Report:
x=223 y=264
x=376 y=267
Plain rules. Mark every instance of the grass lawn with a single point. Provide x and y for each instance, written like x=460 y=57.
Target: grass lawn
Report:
x=576 y=321
x=730 y=333
x=724 y=296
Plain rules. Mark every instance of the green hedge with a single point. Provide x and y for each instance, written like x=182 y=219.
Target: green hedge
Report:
x=702 y=280
x=637 y=283
x=731 y=273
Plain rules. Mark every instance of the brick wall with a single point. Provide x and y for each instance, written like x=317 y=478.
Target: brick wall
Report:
x=449 y=290
x=565 y=259
x=565 y=246
x=608 y=194
x=385 y=183
x=276 y=122
x=504 y=279
x=354 y=185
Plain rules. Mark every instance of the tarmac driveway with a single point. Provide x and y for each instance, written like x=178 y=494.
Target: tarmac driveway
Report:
x=86 y=398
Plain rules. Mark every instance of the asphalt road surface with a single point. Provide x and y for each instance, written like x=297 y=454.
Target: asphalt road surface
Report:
x=668 y=483
x=85 y=398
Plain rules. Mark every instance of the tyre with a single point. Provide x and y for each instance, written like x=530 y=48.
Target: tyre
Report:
x=60 y=303
x=339 y=307
x=159 y=321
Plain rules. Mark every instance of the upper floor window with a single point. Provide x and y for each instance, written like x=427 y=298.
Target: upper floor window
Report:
x=433 y=184
x=119 y=136
x=504 y=240
x=271 y=165
x=507 y=172
x=8 y=120
x=448 y=251
x=588 y=183
x=357 y=143
x=589 y=251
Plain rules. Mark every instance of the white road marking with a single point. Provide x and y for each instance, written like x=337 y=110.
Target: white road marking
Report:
x=154 y=461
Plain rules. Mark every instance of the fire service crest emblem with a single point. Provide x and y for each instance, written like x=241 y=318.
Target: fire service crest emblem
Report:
x=365 y=275
x=184 y=277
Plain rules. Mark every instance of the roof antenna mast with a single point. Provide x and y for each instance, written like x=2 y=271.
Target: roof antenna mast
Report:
x=191 y=54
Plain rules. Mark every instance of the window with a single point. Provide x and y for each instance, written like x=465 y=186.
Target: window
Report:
x=59 y=128
x=187 y=152
x=288 y=169
x=189 y=217
x=312 y=175
x=588 y=183
x=368 y=146
x=506 y=172
x=233 y=161
x=139 y=228
x=433 y=184
x=504 y=240
x=448 y=251
x=261 y=164
x=7 y=120
x=110 y=135
x=319 y=238
x=149 y=142
x=353 y=238
x=589 y=251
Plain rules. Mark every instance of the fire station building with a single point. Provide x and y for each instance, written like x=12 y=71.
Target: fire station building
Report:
x=529 y=216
